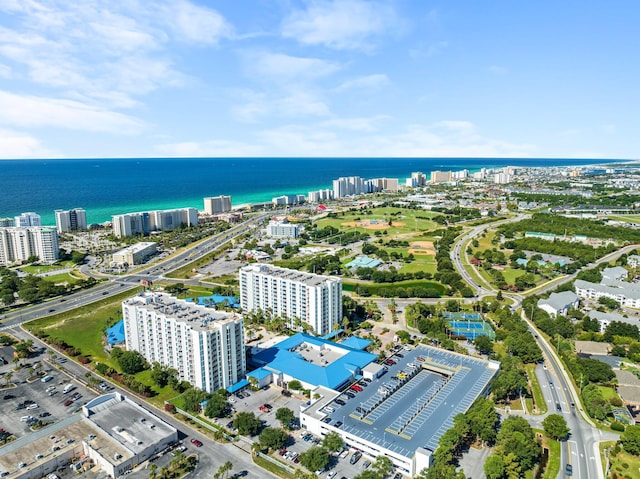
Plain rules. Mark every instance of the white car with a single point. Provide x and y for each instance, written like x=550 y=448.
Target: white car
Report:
x=331 y=475
x=32 y=406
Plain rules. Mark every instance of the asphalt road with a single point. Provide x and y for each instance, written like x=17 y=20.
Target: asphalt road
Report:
x=131 y=281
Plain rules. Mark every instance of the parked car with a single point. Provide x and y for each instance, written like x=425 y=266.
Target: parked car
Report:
x=46 y=379
x=196 y=442
x=68 y=402
x=355 y=458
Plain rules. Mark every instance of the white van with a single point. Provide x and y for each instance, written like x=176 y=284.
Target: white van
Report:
x=69 y=387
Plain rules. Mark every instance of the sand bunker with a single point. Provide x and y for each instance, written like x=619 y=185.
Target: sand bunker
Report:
x=373 y=224
x=422 y=248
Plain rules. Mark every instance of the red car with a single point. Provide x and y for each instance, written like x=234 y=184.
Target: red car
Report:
x=196 y=443
x=357 y=388
x=68 y=402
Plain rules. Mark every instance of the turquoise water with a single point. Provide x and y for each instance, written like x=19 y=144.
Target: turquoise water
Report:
x=104 y=187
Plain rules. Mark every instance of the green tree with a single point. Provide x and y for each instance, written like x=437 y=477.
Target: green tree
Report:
x=383 y=466
x=555 y=426
x=285 y=416
x=273 y=438
x=483 y=420
x=630 y=440
x=315 y=458
x=483 y=344
x=216 y=405
x=494 y=467
x=516 y=437
x=333 y=441
x=246 y=423
x=132 y=362
x=193 y=398
x=295 y=385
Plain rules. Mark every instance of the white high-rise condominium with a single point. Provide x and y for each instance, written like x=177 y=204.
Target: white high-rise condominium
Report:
x=143 y=223
x=217 y=204
x=19 y=244
x=308 y=301
x=351 y=185
x=205 y=346
x=71 y=220
x=28 y=219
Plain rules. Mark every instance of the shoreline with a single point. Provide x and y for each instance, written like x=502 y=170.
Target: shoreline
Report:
x=100 y=210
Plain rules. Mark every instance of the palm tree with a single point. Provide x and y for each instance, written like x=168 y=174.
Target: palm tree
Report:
x=7 y=377
x=153 y=467
x=226 y=467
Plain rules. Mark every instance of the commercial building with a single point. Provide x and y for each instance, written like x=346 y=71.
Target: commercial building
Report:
x=308 y=301
x=283 y=229
x=142 y=223
x=403 y=412
x=313 y=361
x=112 y=433
x=217 y=204
x=19 y=244
x=71 y=220
x=135 y=254
x=205 y=346
x=25 y=220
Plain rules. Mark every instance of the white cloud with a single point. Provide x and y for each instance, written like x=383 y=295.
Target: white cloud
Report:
x=340 y=24
x=354 y=124
x=428 y=51
x=197 y=24
x=16 y=145
x=252 y=106
x=368 y=83
x=5 y=71
x=102 y=50
x=33 y=111
x=219 y=148
x=446 y=138
x=281 y=66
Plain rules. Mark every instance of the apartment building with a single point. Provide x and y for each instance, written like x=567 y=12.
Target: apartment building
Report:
x=134 y=254
x=217 y=204
x=142 y=223
x=71 y=220
x=18 y=244
x=319 y=195
x=283 y=229
x=627 y=294
x=385 y=184
x=25 y=220
x=309 y=301
x=288 y=200
x=205 y=346
x=440 y=176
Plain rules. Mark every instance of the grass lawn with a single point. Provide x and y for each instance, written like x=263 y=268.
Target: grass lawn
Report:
x=272 y=468
x=540 y=403
x=46 y=268
x=406 y=216
x=626 y=218
x=421 y=263
x=618 y=463
x=82 y=327
x=67 y=278
x=608 y=392
x=553 y=466
x=510 y=274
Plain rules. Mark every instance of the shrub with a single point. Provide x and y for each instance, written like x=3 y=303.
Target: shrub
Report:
x=617 y=426
x=84 y=360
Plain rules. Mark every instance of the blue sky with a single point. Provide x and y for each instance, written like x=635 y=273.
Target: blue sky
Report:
x=129 y=78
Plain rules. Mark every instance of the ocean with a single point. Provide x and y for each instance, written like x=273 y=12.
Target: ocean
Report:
x=104 y=187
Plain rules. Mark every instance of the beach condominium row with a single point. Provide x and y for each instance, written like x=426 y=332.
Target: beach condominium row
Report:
x=19 y=244
x=205 y=346
x=71 y=220
x=351 y=186
x=308 y=301
x=215 y=205
x=320 y=195
x=143 y=223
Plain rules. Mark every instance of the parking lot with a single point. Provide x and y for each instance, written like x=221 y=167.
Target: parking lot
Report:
x=34 y=400
x=340 y=466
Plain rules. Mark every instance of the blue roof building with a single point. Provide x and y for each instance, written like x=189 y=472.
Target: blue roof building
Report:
x=364 y=262
x=356 y=343
x=313 y=361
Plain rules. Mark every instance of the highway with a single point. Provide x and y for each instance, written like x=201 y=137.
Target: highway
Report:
x=118 y=284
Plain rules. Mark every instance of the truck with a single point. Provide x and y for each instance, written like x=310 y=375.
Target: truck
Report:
x=68 y=388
